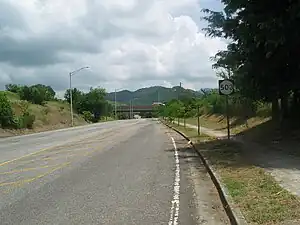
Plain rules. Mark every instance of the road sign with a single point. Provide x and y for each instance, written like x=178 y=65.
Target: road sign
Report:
x=226 y=87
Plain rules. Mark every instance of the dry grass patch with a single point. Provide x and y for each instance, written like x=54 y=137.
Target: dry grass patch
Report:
x=190 y=132
x=218 y=122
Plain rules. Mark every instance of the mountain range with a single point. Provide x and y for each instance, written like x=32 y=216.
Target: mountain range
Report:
x=146 y=96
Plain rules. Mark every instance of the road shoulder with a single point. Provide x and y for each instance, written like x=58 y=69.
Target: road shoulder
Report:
x=255 y=192
x=200 y=202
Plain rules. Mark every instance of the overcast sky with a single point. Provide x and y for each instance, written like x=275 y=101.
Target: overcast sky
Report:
x=128 y=44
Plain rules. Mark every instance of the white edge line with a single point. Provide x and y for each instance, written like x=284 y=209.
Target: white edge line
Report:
x=174 y=212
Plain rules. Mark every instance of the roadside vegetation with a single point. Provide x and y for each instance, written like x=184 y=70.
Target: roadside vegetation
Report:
x=211 y=110
x=265 y=108
x=254 y=191
x=34 y=108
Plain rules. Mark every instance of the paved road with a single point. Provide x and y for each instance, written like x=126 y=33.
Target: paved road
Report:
x=122 y=172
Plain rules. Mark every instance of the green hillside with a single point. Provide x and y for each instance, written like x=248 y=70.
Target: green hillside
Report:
x=52 y=115
x=146 y=96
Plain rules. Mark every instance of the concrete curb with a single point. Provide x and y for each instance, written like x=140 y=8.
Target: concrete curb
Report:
x=234 y=214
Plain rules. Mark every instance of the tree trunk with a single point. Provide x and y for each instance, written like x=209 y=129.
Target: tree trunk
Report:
x=295 y=107
x=275 y=109
x=284 y=106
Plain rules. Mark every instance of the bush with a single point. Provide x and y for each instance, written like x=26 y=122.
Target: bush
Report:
x=6 y=112
x=88 y=116
x=46 y=110
x=36 y=94
x=25 y=121
x=13 y=88
x=24 y=106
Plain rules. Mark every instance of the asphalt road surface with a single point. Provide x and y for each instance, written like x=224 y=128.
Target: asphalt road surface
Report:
x=121 y=172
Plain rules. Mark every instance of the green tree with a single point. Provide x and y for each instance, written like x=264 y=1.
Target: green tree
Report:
x=15 y=88
x=94 y=102
x=261 y=56
x=36 y=94
x=6 y=112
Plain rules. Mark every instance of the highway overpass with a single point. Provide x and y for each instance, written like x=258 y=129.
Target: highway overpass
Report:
x=136 y=108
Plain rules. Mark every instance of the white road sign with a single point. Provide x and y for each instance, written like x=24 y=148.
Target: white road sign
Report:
x=226 y=87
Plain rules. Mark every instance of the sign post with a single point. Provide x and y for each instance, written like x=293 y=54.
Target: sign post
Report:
x=226 y=87
x=198 y=118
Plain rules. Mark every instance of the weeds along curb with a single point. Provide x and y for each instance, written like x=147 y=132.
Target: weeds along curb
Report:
x=234 y=214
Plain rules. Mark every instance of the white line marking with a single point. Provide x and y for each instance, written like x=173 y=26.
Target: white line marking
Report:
x=174 y=213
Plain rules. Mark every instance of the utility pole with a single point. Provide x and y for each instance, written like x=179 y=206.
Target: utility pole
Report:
x=178 y=92
x=179 y=89
x=227 y=117
x=198 y=119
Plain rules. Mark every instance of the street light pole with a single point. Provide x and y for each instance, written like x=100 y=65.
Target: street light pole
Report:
x=115 y=104
x=130 y=110
x=71 y=100
x=71 y=93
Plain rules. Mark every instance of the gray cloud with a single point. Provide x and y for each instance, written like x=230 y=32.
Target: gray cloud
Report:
x=127 y=44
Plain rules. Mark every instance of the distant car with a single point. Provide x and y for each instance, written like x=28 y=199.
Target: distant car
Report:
x=158 y=103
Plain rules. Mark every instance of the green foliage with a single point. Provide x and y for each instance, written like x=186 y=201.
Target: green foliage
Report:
x=77 y=96
x=15 y=88
x=36 y=94
x=123 y=116
x=92 y=105
x=261 y=56
x=213 y=103
x=88 y=116
x=9 y=120
x=6 y=112
x=24 y=106
x=146 y=96
x=25 y=121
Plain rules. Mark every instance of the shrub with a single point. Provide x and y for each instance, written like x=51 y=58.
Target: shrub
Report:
x=88 y=116
x=24 y=106
x=6 y=112
x=13 y=88
x=36 y=94
x=46 y=110
x=26 y=121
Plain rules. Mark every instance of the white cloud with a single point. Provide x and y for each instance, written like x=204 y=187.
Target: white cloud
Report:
x=127 y=44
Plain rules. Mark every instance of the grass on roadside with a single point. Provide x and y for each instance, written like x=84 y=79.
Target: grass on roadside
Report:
x=218 y=122
x=254 y=191
x=190 y=132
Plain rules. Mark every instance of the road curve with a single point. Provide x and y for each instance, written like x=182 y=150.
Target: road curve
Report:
x=121 y=172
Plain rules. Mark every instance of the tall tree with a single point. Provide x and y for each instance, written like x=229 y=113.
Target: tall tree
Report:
x=265 y=44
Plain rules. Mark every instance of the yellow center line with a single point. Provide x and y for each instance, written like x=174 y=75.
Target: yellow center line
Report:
x=27 y=169
x=21 y=182
x=52 y=147
x=62 y=156
x=25 y=156
x=60 y=166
